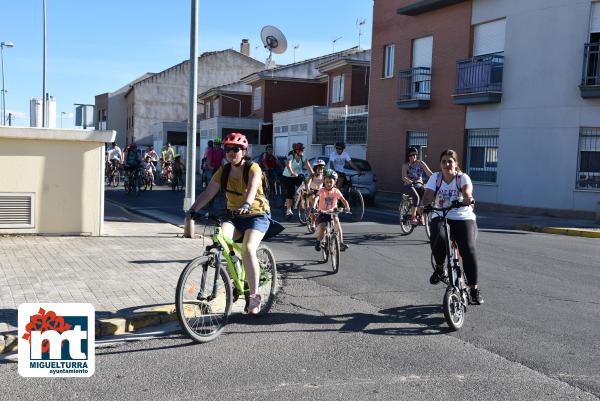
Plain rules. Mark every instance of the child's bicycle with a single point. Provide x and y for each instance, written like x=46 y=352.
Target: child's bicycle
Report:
x=456 y=297
x=330 y=246
x=211 y=283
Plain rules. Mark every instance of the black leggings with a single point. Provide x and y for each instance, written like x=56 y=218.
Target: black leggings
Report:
x=415 y=191
x=290 y=184
x=464 y=233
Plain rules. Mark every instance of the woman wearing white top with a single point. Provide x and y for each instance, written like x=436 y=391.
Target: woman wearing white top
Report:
x=453 y=185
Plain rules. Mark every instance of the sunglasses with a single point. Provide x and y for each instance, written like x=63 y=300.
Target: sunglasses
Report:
x=234 y=149
x=339 y=148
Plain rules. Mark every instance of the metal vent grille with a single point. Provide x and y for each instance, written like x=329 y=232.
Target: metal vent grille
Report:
x=16 y=210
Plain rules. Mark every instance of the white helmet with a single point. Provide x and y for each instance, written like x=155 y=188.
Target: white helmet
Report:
x=319 y=162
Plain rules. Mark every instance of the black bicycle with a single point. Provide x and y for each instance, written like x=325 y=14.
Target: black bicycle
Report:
x=456 y=297
x=406 y=225
x=354 y=198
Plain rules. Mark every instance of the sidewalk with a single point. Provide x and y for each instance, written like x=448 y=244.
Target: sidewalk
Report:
x=129 y=275
x=498 y=220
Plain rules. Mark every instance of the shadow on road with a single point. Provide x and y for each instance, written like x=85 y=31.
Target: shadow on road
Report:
x=423 y=320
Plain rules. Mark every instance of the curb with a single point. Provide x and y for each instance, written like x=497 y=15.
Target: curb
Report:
x=572 y=232
x=110 y=326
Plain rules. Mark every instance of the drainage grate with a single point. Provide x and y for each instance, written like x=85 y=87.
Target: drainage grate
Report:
x=16 y=210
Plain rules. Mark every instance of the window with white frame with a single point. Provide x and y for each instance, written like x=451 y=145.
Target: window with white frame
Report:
x=207 y=106
x=216 y=107
x=388 y=61
x=418 y=140
x=588 y=170
x=482 y=154
x=337 y=93
x=257 y=98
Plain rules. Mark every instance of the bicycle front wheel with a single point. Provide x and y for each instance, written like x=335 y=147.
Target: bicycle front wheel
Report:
x=357 y=205
x=454 y=308
x=268 y=284
x=427 y=225
x=203 y=299
x=404 y=209
x=334 y=251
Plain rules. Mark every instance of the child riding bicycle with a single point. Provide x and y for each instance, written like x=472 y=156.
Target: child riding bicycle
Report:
x=328 y=198
x=314 y=184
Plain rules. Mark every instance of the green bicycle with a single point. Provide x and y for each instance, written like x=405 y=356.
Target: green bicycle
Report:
x=210 y=284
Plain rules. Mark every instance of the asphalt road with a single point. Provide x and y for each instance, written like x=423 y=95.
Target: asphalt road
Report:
x=375 y=330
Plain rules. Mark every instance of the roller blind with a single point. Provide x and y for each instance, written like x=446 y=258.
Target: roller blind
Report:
x=422 y=51
x=595 y=23
x=489 y=37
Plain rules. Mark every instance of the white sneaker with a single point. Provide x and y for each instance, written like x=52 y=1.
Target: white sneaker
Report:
x=289 y=212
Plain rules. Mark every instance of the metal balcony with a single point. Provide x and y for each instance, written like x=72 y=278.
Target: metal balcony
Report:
x=415 y=88
x=590 y=80
x=479 y=80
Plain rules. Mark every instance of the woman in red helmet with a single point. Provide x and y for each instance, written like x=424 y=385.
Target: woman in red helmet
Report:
x=250 y=207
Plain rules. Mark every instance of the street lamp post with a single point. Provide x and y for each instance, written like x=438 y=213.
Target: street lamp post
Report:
x=62 y=113
x=2 y=46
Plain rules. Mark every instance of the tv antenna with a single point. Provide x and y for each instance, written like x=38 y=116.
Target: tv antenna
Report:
x=296 y=46
x=359 y=25
x=274 y=41
x=333 y=44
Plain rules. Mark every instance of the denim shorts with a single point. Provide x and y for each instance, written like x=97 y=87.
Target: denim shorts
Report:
x=260 y=223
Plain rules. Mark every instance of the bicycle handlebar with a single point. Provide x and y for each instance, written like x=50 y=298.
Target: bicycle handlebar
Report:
x=454 y=205
x=335 y=211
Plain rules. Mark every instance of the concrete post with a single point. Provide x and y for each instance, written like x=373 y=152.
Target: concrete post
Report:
x=190 y=185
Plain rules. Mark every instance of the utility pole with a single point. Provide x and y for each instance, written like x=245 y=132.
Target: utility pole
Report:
x=190 y=185
x=44 y=101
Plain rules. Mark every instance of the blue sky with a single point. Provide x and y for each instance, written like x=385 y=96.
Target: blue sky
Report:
x=97 y=46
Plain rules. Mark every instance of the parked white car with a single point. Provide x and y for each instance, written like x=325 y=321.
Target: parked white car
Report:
x=365 y=183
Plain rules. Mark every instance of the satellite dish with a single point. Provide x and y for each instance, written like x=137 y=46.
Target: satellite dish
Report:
x=274 y=41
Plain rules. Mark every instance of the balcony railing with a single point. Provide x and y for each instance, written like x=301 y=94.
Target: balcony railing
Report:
x=479 y=80
x=590 y=81
x=415 y=88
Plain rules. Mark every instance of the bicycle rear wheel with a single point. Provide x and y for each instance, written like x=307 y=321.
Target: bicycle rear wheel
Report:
x=268 y=284
x=203 y=299
x=334 y=251
x=357 y=204
x=116 y=178
x=454 y=308
x=405 y=226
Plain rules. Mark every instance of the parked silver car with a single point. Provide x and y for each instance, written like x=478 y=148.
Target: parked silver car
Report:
x=365 y=183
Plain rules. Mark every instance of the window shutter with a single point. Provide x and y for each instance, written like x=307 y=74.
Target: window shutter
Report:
x=489 y=37
x=595 y=23
x=422 y=51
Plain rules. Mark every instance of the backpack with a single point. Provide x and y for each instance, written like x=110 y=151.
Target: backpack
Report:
x=245 y=176
x=438 y=183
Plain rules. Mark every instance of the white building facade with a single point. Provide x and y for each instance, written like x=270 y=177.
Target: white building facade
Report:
x=538 y=143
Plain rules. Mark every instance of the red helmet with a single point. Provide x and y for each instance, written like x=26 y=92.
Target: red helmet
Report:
x=298 y=146
x=236 y=139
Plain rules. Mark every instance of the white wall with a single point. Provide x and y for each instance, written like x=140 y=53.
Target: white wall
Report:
x=541 y=110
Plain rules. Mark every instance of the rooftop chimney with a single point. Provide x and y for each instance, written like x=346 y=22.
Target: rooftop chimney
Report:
x=245 y=47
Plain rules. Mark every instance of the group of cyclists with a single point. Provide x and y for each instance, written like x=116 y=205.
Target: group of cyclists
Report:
x=250 y=212
x=134 y=158
x=231 y=170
